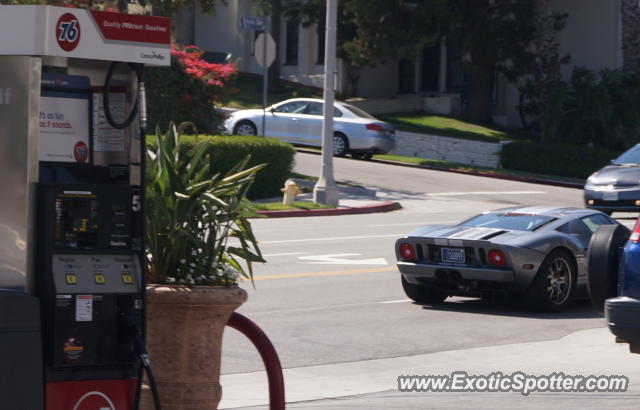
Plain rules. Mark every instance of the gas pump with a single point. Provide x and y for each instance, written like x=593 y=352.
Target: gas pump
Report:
x=71 y=221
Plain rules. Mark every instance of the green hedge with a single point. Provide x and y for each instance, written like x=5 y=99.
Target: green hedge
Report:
x=554 y=159
x=229 y=150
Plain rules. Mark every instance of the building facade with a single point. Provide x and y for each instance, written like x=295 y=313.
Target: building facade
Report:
x=593 y=37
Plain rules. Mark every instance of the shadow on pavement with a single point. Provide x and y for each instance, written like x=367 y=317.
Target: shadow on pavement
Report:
x=580 y=309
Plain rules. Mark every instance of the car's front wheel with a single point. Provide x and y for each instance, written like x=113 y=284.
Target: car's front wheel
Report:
x=245 y=128
x=423 y=293
x=340 y=145
x=555 y=283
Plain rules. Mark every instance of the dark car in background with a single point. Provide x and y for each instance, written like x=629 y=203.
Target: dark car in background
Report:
x=616 y=187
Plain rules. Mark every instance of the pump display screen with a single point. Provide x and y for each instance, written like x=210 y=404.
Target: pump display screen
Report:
x=76 y=225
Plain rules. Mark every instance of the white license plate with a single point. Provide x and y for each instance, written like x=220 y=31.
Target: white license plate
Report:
x=610 y=196
x=452 y=255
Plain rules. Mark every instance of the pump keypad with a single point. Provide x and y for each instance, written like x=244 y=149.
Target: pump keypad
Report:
x=96 y=273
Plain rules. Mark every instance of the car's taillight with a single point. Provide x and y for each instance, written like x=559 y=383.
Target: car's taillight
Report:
x=635 y=235
x=374 y=127
x=496 y=257
x=407 y=252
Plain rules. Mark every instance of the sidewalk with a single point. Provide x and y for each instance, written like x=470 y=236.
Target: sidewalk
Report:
x=358 y=200
x=352 y=200
x=372 y=384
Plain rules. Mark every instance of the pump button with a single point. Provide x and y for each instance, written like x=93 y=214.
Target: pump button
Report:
x=99 y=278
x=71 y=279
x=127 y=279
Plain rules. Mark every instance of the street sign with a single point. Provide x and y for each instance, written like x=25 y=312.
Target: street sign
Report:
x=260 y=50
x=253 y=23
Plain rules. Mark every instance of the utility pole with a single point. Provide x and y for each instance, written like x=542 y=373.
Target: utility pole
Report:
x=325 y=191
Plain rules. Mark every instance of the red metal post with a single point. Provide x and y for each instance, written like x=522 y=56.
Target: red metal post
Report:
x=269 y=357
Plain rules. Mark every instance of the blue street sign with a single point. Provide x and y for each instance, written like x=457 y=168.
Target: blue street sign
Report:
x=253 y=23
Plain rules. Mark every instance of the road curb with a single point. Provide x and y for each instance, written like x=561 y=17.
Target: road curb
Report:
x=366 y=209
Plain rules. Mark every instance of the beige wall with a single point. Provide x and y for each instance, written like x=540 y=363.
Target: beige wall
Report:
x=220 y=32
x=592 y=35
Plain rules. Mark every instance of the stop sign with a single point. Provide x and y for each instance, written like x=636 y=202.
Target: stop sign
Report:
x=260 y=49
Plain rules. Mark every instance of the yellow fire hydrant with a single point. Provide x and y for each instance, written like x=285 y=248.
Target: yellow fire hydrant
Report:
x=290 y=191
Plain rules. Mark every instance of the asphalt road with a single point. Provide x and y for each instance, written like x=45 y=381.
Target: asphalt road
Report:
x=330 y=292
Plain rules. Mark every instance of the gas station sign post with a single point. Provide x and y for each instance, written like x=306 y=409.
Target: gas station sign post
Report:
x=72 y=251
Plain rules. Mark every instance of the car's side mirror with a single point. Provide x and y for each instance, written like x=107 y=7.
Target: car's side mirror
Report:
x=602 y=261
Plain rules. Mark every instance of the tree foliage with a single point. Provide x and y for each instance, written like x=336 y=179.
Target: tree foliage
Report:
x=372 y=31
x=492 y=35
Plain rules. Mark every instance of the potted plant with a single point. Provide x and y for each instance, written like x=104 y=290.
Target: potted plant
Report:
x=193 y=267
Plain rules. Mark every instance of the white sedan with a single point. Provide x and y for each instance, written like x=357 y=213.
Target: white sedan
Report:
x=299 y=121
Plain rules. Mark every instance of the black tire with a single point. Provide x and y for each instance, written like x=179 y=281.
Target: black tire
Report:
x=245 y=128
x=423 y=294
x=602 y=262
x=554 y=286
x=340 y=145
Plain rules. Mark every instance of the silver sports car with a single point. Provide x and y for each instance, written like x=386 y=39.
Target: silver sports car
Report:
x=299 y=121
x=537 y=250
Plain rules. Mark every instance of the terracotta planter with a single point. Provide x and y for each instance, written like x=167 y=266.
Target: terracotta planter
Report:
x=184 y=340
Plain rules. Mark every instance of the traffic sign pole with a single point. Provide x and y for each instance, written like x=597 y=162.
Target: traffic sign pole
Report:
x=265 y=72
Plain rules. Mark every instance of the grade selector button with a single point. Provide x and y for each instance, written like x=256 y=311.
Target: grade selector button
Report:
x=127 y=279
x=71 y=279
x=99 y=278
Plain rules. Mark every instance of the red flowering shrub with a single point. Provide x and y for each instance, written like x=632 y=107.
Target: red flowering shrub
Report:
x=188 y=89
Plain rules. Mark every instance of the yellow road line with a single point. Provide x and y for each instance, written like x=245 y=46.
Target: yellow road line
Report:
x=333 y=273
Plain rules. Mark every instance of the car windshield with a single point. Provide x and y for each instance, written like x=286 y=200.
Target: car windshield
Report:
x=631 y=156
x=358 y=112
x=515 y=221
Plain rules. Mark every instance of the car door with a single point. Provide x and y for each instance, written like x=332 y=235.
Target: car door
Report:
x=310 y=124
x=282 y=121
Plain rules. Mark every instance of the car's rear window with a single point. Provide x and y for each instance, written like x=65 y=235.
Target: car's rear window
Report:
x=519 y=222
x=357 y=111
x=631 y=156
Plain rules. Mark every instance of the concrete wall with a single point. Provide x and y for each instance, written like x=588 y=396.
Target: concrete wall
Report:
x=407 y=103
x=221 y=32
x=380 y=81
x=448 y=149
x=592 y=35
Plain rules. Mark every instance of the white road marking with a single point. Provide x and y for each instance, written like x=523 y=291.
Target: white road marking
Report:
x=414 y=223
x=487 y=193
x=285 y=254
x=396 y=301
x=336 y=238
x=339 y=259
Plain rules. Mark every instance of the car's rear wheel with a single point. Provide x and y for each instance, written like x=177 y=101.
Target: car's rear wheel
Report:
x=555 y=283
x=423 y=293
x=602 y=262
x=245 y=128
x=340 y=145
